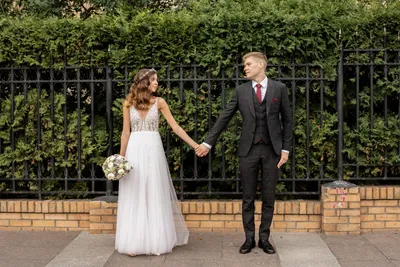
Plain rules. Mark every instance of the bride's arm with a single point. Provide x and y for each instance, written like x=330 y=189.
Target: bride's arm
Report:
x=126 y=130
x=163 y=107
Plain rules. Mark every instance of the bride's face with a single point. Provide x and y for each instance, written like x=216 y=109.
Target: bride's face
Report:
x=153 y=83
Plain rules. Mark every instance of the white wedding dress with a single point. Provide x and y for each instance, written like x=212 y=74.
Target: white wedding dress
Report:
x=149 y=220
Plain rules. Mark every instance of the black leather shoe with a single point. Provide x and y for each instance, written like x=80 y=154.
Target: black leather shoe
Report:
x=266 y=246
x=247 y=246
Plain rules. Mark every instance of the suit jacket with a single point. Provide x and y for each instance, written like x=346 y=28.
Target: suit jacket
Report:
x=279 y=117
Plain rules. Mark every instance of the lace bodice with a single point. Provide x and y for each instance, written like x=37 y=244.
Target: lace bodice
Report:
x=148 y=123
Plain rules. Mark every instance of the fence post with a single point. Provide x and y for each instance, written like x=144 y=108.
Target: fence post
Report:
x=110 y=129
x=109 y=197
x=340 y=183
x=339 y=107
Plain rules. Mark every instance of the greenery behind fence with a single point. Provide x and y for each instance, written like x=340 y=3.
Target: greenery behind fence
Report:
x=213 y=34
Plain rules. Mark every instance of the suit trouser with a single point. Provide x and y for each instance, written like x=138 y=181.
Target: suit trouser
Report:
x=261 y=156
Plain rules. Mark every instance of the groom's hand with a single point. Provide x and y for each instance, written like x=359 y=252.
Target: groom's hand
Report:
x=202 y=150
x=284 y=158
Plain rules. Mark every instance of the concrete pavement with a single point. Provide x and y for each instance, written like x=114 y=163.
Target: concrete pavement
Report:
x=80 y=249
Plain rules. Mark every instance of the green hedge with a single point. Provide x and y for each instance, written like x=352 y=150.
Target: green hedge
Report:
x=214 y=34
x=207 y=33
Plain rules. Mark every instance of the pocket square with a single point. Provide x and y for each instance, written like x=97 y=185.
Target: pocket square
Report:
x=275 y=99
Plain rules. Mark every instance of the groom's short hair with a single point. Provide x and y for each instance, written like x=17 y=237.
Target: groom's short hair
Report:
x=257 y=55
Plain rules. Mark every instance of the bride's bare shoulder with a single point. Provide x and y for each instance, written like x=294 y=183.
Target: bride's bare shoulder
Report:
x=161 y=102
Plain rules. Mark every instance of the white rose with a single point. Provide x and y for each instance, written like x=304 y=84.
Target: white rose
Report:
x=121 y=171
x=112 y=158
x=128 y=167
x=110 y=165
x=110 y=176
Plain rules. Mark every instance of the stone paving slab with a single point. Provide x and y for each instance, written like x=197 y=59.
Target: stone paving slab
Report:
x=387 y=243
x=358 y=263
x=85 y=251
x=23 y=263
x=368 y=249
x=80 y=249
x=354 y=248
x=303 y=249
x=32 y=249
x=395 y=263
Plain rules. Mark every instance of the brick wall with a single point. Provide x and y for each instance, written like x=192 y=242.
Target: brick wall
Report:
x=46 y=215
x=297 y=215
x=340 y=211
x=380 y=208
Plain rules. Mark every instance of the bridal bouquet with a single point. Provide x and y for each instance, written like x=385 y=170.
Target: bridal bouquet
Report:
x=115 y=167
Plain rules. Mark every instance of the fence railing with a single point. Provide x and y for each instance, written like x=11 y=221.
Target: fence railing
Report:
x=57 y=125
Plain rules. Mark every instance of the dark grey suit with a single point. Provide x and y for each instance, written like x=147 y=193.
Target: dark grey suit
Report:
x=263 y=155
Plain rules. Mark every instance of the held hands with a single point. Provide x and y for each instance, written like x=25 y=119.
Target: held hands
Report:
x=201 y=150
x=284 y=158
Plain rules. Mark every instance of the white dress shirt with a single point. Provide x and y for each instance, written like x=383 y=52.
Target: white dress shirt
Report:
x=264 y=87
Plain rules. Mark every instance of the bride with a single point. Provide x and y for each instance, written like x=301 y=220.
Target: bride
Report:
x=149 y=220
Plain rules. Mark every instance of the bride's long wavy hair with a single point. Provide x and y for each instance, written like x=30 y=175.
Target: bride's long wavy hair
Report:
x=139 y=95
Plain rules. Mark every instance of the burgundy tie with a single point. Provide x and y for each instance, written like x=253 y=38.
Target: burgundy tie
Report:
x=258 y=92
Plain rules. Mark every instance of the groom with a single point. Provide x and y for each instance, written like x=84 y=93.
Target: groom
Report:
x=264 y=143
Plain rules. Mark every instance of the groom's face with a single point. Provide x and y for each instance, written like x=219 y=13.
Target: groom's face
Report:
x=253 y=67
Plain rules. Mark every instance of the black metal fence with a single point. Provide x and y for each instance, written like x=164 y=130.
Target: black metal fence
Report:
x=57 y=150
x=371 y=80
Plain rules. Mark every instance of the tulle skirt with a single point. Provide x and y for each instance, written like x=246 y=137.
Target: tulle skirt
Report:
x=149 y=220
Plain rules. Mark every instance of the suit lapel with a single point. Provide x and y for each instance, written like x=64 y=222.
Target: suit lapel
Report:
x=250 y=100
x=270 y=94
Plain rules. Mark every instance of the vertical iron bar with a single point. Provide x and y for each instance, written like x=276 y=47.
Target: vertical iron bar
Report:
x=398 y=96
x=308 y=119
x=371 y=82
x=195 y=120
x=209 y=128
x=357 y=112
x=169 y=88
x=339 y=106
x=293 y=153
x=109 y=72
x=181 y=170
x=371 y=99
x=321 y=123
x=65 y=124
x=39 y=132
x=93 y=123
x=12 y=130
x=386 y=108
x=78 y=89
x=1 y=110
x=52 y=116
x=223 y=107
x=237 y=170
x=26 y=170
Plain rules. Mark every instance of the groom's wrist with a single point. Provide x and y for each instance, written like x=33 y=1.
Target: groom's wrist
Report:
x=207 y=145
